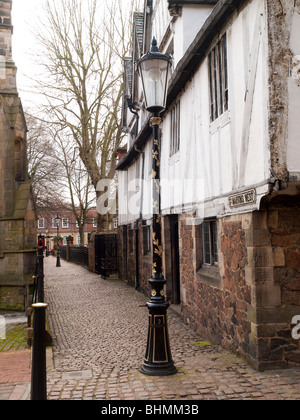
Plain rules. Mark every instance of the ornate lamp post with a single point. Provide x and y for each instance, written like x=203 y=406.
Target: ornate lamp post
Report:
x=154 y=68
x=57 y=219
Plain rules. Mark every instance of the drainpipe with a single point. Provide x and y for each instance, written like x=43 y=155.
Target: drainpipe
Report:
x=133 y=111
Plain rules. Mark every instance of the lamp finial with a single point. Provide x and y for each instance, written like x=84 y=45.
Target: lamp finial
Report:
x=154 y=45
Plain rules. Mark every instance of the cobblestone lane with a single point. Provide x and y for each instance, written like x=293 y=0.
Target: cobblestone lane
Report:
x=100 y=337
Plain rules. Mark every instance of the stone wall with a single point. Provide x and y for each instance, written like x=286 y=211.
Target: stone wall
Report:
x=216 y=299
x=279 y=303
x=248 y=302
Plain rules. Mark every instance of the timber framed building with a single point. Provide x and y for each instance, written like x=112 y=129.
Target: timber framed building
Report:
x=230 y=171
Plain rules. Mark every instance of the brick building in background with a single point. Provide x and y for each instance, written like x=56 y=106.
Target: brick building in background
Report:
x=68 y=226
x=230 y=171
x=17 y=211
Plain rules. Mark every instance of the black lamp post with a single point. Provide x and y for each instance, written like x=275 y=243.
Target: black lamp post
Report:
x=57 y=219
x=154 y=68
x=47 y=242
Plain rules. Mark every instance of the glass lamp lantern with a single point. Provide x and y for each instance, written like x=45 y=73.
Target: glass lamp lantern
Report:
x=154 y=70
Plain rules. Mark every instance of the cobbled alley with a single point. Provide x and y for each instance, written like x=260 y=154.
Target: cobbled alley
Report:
x=99 y=336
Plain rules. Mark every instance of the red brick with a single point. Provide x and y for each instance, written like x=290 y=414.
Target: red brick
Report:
x=15 y=367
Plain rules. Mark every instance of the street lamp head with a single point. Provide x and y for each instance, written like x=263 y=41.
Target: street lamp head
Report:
x=154 y=70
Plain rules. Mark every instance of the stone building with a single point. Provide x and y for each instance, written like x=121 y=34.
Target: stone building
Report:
x=230 y=171
x=17 y=211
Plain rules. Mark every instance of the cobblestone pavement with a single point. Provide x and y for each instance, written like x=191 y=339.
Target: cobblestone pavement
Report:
x=100 y=337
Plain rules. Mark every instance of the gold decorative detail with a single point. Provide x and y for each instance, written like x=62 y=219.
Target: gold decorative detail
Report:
x=162 y=293
x=155 y=121
x=156 y=158
x=157 y=246
x=153 y=293
x=154 y=268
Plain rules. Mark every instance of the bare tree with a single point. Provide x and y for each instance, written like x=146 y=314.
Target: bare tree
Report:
x=43 y=168
x=75 y=179
x=82 y=59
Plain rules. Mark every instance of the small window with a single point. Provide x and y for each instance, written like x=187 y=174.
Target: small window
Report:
x=146 y=240
x=218 y=76
x=210 y=243
x=41 y=223
x=95 y=222
x=175 y=130
x=65 y=223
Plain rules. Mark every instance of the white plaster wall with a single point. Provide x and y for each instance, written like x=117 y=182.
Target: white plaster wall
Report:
x=230 y=154
x=187 y=27
x=293 y=147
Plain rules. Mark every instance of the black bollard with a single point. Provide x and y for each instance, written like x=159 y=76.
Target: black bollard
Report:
x=40 y=273
x=38 y=370
x=58 y=257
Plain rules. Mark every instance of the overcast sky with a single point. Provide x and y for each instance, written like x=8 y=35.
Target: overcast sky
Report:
x=25 y=14
x=25 y=17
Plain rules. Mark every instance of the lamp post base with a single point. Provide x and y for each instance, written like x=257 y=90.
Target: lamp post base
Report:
x=167 y=370
x=158 y=360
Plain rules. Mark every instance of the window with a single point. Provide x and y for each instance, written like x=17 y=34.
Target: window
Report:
x=210 y=243
x=146 y=240
x=78 y=240
x=19 y=159
x=41 y=224
x=65 y=223
x=95 y=222
x=218 y=75
x=175 y=130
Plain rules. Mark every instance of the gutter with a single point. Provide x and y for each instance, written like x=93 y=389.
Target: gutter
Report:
x=187 y=67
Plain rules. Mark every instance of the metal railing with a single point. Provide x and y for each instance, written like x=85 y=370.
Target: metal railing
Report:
x=77 y=255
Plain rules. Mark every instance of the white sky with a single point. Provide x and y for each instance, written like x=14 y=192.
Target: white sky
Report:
x=25 y=16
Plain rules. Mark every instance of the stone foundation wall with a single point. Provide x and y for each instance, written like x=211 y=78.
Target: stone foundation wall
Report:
x=275 y=314
x=247 y=302
x=215 y=300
